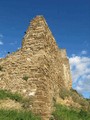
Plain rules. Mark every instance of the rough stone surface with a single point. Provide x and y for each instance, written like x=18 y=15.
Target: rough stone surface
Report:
x=38 y=70
x=68 y=101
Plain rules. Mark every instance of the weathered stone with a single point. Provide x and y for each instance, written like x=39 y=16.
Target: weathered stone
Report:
x=38 y=70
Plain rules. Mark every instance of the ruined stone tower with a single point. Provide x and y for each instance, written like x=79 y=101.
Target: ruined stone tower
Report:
x=45 y=66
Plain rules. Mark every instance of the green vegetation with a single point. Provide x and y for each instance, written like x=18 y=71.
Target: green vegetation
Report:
x=77 y=98
x=66 y=113
x=80 y=100
x=25 y=78
x=4 y=94
x=17 y=115
x=23 y=114
x=61 y=113
x=66 y=93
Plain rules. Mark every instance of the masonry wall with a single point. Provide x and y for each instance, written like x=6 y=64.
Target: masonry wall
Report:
x=66 y=69
x=45 y=66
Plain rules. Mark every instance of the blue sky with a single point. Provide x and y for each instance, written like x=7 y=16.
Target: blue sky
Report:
x=69 y=21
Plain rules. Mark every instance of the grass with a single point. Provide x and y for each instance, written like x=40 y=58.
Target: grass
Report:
x=17 y=115
x=61 y=113
x=66 y=113
x=4 y=94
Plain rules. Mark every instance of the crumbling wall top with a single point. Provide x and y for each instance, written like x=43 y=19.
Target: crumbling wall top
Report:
x=63 y=53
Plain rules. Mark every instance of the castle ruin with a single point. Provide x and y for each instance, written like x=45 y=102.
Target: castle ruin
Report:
x=39 y=70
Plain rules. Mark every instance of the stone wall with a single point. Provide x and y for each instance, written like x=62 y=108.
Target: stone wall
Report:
x=66 y=69
x=38 y=70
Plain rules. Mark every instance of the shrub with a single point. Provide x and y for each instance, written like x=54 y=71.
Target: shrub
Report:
x=25 y=78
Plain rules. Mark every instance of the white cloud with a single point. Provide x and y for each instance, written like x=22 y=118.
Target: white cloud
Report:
x=80 y=67
x=84 y=52
x=1 y=43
